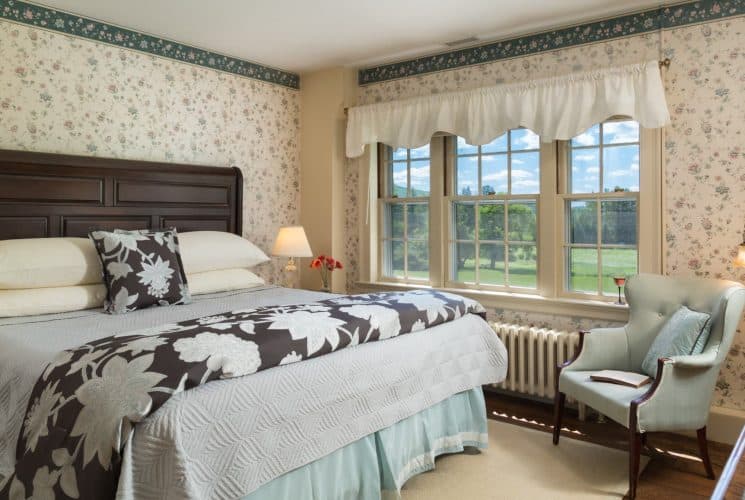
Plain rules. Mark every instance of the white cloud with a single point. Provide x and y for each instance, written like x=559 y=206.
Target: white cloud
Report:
x=586 y=157
x=585 y=139
x=495 y=177
x=627 y=131
x=635 y=166
x=418 y=173
x=617 y=173
x=529 y=140
x=592 y=170
x=522 y=174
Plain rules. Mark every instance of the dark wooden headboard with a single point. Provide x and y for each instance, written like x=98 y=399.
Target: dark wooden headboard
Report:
x=45 y=195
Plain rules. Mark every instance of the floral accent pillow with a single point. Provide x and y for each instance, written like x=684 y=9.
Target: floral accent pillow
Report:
x=141 y=269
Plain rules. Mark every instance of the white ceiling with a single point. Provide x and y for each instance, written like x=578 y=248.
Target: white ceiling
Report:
x=305 y=35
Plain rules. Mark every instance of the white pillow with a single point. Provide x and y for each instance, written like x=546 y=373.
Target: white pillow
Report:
x=222 y=280
x=213 y=250
x=48 y=262
x=50 y=300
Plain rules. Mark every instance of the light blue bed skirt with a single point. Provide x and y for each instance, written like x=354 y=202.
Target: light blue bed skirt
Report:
x=378 y=465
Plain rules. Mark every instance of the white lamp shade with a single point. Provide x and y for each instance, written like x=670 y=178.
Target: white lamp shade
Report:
x=292 y=242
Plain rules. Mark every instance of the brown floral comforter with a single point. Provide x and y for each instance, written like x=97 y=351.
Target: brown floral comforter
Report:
x=84 y=405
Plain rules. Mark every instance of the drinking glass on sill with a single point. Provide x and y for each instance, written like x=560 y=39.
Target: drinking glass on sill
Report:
x=620 y=281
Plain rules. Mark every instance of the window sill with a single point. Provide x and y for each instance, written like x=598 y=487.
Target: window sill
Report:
x=593 y=309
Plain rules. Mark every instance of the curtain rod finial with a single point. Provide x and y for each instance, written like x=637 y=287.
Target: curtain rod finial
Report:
x=665 y=62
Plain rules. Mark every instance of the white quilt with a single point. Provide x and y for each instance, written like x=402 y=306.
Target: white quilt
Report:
x=226 y=438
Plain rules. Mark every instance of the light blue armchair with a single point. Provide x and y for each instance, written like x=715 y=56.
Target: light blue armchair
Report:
x=680 y=396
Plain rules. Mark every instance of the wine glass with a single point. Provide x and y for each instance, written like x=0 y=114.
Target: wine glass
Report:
x=620 y=281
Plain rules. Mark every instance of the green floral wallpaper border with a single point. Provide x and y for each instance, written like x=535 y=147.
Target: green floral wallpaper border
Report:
x=632 y=24
x=43 y=17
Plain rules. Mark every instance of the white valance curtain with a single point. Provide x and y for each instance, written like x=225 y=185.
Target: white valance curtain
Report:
x=554 y=108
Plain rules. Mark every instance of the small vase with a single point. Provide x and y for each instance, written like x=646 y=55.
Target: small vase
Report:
x=325 y=288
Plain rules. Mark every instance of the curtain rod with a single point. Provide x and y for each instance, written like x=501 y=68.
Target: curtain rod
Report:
x=663 y=63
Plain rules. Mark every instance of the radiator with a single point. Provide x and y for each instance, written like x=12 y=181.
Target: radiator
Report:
x=533 y=356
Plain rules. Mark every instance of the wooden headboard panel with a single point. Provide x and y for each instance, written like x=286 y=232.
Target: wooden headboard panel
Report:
x=45 y=195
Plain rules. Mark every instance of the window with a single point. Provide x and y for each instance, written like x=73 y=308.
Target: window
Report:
x=405 y=241
x=519 y=216
x=494 y=211
x=601 y=207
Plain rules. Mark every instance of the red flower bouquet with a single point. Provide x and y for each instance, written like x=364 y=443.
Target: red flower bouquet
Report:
x=325 y=265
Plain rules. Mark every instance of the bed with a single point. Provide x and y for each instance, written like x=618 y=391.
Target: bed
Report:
x=353 y=424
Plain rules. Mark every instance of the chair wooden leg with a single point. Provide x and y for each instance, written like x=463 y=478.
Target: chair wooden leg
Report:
x=559 y=400
x=635 y=448
x=703 y=446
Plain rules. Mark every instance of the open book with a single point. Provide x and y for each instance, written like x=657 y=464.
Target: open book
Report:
x=624 y=378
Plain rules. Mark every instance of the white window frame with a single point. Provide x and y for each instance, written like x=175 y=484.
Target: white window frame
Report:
x=551 y=296
x=453 y=197
x=385 y=199
x=649 y=203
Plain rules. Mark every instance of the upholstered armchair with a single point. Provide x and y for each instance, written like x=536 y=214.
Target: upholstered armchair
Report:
x=680 y=396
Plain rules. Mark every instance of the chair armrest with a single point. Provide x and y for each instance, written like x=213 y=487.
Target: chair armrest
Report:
x=601 y=349
x=679 y=398
x=703 y=360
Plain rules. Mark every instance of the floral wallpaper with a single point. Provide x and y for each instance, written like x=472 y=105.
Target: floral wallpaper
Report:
x=65 y=94
x=704 y=157
x=50 y=19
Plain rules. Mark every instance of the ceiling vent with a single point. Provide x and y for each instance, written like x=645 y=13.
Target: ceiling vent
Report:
x=462 y=41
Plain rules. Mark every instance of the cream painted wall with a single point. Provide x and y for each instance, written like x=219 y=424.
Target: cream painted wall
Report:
x=324 y=96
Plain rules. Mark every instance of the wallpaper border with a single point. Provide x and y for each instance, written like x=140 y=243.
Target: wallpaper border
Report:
x=70 y=24
x=632 y=24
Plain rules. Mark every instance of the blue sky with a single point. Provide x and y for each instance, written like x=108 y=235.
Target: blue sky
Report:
x=620 y=160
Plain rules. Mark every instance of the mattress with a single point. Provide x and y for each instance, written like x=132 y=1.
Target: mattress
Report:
x=227 y=438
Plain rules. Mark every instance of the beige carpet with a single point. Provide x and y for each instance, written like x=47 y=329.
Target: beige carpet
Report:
x=522 y=463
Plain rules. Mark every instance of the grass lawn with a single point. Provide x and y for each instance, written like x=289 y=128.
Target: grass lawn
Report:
x=583 y=272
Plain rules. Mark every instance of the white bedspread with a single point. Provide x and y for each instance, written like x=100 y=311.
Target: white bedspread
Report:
x=226 y=438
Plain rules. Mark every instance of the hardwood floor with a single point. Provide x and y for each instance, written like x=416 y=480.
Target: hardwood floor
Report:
x=675 y=471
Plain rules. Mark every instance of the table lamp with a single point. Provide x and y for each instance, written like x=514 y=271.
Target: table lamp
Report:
x=740 y=259
x=291 y=242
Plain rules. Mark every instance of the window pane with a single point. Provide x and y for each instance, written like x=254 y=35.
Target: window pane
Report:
x=498 y=145
x=525 y=176
x=464 y=220
x=394 y=258
x=464 y=148
x=396 y=220
x=465 y=262
x=618 y=218
x=491 y=264
x=467 y=176
x=493 y=174
x=419 y=174
x=418 y=221
x=621 y=168
x=421 y=152
x=584 y=176
x=583 y=270
x=522 y=266
x=583 y=222
x=522 y=221
x=589 y=137
x=398 y=154
x=618 y=132
x=523 y=138
x=398 y=179
x=617 y=262
x=491 y=221
x=419 y=259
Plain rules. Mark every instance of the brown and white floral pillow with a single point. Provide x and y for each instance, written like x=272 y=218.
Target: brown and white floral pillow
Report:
x=141 y=269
